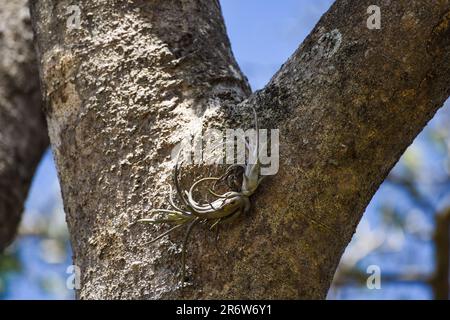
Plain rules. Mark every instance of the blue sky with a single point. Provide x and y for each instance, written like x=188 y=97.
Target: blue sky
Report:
x=264 y=34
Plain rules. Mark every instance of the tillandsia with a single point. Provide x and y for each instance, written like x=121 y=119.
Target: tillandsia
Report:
x=241 y=180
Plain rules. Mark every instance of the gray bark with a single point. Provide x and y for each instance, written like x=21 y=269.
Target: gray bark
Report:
x=121 y=90
x=23 y=133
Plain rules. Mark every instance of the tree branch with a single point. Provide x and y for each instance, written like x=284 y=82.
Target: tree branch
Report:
x=441 y=279
x=23 y=133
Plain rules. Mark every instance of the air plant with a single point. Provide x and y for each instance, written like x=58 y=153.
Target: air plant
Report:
x=241 y=180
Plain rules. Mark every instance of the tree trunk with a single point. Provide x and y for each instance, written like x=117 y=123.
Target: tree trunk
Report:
x=23 y=134
x=122 y=89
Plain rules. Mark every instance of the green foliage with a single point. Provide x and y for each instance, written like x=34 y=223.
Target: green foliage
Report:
x=9 y=263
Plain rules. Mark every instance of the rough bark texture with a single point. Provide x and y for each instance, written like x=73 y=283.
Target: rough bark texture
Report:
x=23 y=134
x=122 y=90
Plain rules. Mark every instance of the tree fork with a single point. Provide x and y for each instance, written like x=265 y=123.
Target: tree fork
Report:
x=122 y=89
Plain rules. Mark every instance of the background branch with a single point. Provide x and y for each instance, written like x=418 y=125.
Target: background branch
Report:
x=23 y=133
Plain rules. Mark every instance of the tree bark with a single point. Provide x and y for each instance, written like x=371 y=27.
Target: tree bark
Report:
x=23 y=133
x=121 y=91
